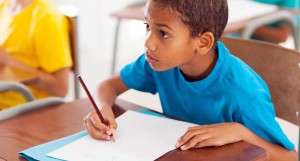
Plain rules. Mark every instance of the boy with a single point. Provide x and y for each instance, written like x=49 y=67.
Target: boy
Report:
x=34 y=37
x=197 y=80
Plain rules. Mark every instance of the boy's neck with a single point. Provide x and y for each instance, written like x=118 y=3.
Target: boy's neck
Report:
x=206 y=65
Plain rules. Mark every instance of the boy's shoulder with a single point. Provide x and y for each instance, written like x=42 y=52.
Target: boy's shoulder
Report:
x=238 y=74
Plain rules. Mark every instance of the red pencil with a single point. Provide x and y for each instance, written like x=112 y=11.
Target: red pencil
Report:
x=93 y=103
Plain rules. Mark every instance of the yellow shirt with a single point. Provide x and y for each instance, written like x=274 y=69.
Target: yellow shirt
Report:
x=38 y=37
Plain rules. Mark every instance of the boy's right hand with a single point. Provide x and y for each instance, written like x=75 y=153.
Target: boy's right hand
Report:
x=96 y=128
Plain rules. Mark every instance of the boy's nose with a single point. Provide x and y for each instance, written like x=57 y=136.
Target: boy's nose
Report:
x=149 y=42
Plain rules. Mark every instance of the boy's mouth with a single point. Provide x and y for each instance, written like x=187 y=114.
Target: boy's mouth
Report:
x=150 y=59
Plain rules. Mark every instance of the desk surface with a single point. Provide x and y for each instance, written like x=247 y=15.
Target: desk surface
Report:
x=41 y=126
x=13 y=74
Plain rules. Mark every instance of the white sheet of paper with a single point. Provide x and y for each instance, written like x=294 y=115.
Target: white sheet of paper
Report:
x=240 y=10
x=139 y=137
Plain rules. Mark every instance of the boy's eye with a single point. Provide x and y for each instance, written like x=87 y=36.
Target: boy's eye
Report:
x=147 y=26
x=163 y=34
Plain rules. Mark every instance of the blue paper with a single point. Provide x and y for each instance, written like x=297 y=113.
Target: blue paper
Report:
x=40 y=152
x=151 y=113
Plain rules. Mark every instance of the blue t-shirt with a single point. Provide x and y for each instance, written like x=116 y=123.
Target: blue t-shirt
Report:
x=232 y=92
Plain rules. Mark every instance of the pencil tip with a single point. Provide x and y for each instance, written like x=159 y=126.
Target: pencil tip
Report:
x=113 y=139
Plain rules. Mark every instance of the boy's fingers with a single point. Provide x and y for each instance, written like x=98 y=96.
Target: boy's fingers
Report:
x=110 y=118
x=207 y=142
x=194 y=141
x=112 y=125
x=94 y=132
x=94 y=118
x=190 y=134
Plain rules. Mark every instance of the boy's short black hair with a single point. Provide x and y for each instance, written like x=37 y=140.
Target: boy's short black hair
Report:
x=200 y=15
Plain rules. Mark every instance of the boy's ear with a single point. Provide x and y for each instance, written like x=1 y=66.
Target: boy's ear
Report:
x=206 y=42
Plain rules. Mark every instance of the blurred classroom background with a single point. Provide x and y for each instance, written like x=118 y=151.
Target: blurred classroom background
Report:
x=96 y=33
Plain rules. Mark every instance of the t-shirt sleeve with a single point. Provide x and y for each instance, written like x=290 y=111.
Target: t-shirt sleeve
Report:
x=139 y=76
x=259 y=117
x=52 y=44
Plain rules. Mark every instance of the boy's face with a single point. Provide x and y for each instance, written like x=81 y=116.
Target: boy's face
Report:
x=168 y=42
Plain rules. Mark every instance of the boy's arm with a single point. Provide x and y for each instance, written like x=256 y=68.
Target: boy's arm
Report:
x=276 y=152
x=109 y=90
x=277 y=35
x=106 y=94
x=55 y=83
x=226 y=133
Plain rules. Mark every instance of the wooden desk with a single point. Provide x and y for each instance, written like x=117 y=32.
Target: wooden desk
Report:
x=13 y=74
x=41 y=126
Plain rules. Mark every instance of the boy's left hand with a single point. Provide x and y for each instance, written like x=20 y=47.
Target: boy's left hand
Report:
x=210 y=135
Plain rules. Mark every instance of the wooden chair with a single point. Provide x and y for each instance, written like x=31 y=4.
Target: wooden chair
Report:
x=31 y=104
x=279 y=67
x=18 y=87
x=72 y=18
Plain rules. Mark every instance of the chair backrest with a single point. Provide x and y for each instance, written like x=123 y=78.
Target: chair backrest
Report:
x=30 y=106
x=17 y=87
x=279 y=67
x=73 y=40
x=72 y=18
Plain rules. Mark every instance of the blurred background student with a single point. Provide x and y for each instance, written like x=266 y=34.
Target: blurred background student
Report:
x=277 y=32
x=34 y=37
